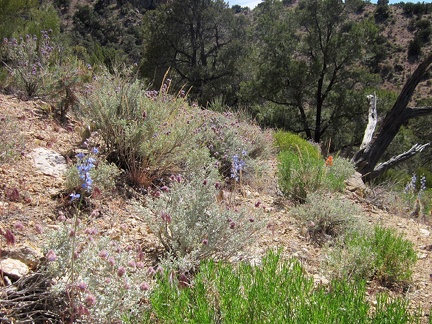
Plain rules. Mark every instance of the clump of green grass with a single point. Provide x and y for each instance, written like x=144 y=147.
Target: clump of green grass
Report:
x=276 y=291
x=378 y=254
x=299 y=174
x=302 y=170
x=395 y=256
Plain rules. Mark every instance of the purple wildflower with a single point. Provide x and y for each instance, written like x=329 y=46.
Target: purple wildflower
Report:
x=51 y=256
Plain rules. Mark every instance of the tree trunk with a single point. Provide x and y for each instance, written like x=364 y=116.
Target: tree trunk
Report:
x=366 y=159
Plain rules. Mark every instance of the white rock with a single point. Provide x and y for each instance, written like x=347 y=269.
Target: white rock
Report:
x=320 y=280
x=49 y=162
x=421 y=256
x=28 y=255
x=424 y=232
x=14 y=269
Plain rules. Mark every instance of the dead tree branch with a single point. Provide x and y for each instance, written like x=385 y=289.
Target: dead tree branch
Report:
x=372 y=121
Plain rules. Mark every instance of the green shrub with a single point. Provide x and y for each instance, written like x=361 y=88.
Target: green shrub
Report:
x=192 y=226
x=340 y=170
x=327 y=217
x=299 y=173
x=380 y=254
x=150 y=135
x=285 y=141
x=302 y=169
x=395 y=256
x=276 y=291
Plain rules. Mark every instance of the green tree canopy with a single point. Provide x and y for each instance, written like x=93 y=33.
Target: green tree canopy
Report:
x=200 y=40
x=20 y=17
x=308 y=61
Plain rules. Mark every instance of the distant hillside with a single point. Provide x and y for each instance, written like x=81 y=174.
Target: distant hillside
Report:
x=116 y=24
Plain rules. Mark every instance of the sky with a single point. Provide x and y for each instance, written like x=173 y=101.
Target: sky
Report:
x=253 y=3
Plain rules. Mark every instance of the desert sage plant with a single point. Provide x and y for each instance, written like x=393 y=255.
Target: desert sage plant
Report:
x=101 y=278
x=226 y=136
x=28 y=60
x=149 y=136
x=192 y=226
x=327 y=216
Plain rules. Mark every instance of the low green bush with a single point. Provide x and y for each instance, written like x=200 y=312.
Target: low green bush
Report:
x=286 y=141
x=327 y=217
x=148 y=134
x=276 y=291
x=395 y=256
x=299 y=173
x=378 y=254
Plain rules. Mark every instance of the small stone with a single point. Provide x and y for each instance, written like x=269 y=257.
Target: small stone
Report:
x=49 y=162
x=424 y=232
x=421 y=256
x=30 y=256
x=318 y=279
x=14 y=269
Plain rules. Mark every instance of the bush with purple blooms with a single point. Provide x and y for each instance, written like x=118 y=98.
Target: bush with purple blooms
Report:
x=192 y=226
x=226 y=136
x=148 y=137
x=101 y=279
x=27 y=61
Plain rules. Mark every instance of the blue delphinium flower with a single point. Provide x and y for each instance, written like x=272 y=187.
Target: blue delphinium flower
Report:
x=410 y=187
x=422 y=185
x=84 y=166
x=74 y=196
x=237 y=166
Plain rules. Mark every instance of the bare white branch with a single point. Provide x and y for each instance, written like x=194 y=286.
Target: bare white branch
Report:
x=372 y=121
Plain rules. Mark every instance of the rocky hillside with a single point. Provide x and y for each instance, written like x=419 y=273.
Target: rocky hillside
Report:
x=32 y=200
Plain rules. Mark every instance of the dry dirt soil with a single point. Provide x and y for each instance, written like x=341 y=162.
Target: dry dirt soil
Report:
x=32 y=198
